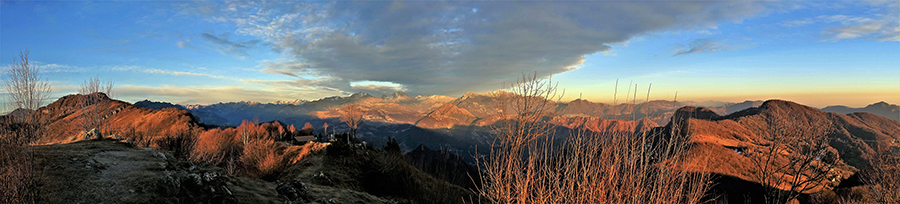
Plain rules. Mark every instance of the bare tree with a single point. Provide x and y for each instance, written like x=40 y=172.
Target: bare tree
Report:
x=797 y=159
x=883 y=180
x=509 y=176
x=26 y=88
x=95 y=85
x=352 y=114
x=91 y=115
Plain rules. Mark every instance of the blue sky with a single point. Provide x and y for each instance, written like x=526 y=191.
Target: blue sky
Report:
x=199 y=52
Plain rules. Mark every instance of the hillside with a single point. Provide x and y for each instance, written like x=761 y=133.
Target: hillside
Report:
x=193 y=163
x=65 y=118
x=446 y=116
x=728 y=145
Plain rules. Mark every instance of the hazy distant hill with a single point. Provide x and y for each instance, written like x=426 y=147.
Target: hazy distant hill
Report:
x=881 y=108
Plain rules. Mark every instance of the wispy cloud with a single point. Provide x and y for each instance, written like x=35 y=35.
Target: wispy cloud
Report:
x=58 y=68
x=228 y=47
x=701 y=46
x=796 y=23
x=110 y=50
x=119 y=41
x=167 y=72
x=186 y=44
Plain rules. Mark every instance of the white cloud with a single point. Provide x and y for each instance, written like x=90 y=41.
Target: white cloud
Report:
x=796 y=23
x=608 y=53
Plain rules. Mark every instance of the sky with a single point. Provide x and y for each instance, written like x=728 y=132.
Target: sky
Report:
x=817 y=53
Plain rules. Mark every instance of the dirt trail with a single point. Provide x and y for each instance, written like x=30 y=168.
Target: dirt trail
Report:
x=123 y=166
x=107 y=171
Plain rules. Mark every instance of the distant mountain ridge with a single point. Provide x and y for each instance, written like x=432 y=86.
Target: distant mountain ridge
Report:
x=882 y=108
x=401 y=108
x=202 y=116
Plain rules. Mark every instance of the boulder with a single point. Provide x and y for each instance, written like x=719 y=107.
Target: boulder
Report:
x=294 y=190
x=92 y=134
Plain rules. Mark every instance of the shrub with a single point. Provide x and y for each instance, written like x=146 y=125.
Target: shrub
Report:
x=216 y=146
x=179 y=140
x=262 y=158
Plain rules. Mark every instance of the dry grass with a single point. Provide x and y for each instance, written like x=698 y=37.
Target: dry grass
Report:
x=251 y=149
x=16 y=173
x=216 y=146
x=297 y=153
x=16 y=161
x=528 y=165
x=261 y=158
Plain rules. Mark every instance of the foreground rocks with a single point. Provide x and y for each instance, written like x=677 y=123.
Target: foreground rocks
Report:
x=107 y=171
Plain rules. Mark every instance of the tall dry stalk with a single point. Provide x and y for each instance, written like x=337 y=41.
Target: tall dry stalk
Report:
x=17 y=172
x=510 y=172
x=528 y=164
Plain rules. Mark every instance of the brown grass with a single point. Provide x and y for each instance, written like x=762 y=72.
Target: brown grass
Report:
x=16 y=173
x=296 y=153
x=251 y=149
x=528 y=165
x=16 y=161
x=216 y=146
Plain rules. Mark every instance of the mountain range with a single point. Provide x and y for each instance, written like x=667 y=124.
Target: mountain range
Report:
x=881 y=108
x=471 y=109
x=719 y=143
